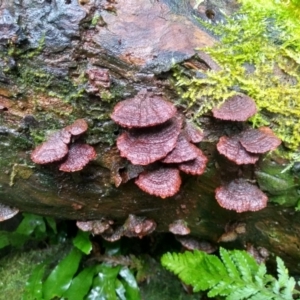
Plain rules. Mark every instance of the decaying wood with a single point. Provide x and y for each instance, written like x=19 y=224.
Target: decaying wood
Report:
x=64 y=60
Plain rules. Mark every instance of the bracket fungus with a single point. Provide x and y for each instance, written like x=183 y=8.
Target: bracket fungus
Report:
x=78 y=127
x=7 y=212
x=143 y=110
x=154 y=135
x=78 y=157
x=56 y=148
x=196 y=166
x=163 y=182
x=179 y=227
x=182 y=152
x=236 y=108
x=234 y=151
x=147 y=145
x=259 y=140
x=193 y=134
x=241 y=196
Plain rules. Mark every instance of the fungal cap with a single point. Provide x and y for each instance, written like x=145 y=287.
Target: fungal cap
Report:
x=78 y=127
x=163 y=182
x=179 y=227
x=259 y=140
x=183 y=151
x=79 y=156
x=193 y=134
x=234 y=151
x=236 y=108
x=54 y=149
x=144 y=110
x=241 y=196
x=144 y=146
x=196 y=166
x=7 y=212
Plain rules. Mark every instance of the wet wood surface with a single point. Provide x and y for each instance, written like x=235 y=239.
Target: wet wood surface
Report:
x=64 y=60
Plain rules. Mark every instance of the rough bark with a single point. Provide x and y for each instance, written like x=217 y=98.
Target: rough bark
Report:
x=51 y=55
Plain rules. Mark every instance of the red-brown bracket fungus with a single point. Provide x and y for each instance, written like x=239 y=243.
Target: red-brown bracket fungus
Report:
x=154 y=135
x=182 y=152
x=234 y=151
x=241 y=196
x=163 y=182
x=196 y=166
x=144 y=110
x=179 y=227
x=78 y=157
x=56 y=148
x=259 y=140
x=147 y=145
x=193 y=134
x=236 y=108
x=78 y=127
x=7 y=212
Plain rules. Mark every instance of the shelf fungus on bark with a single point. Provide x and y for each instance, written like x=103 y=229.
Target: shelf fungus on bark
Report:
x=183 y=151
x=96 y=226
x=154 y=134
x=259 y=140
x=192 y=243
x=192 y=133
x=143 y=110
x=7 y=212
x=79 y=156
x=147 y=145
x=179 y=227
x=196 y=166
x=56 y=148
x=78 y=127
x=236 y=108
x=241 y=196
x=231 y=148
x=163 y=182
x=134 y=226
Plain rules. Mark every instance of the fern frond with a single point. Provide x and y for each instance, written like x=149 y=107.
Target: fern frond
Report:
x=236 y=277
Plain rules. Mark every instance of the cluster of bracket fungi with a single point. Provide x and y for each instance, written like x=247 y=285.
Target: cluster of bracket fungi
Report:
x=56 y=148
x=156 y=139
x=243 y=148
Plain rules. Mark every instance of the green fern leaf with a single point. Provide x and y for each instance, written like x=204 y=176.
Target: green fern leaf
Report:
x=260 y=275
x=229 y=263
x=243 y=293
x=245 y=264
x=236 y=277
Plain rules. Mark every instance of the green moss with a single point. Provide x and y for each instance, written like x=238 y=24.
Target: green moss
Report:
x=20 y=171
x=259 y=54
x=16 y=267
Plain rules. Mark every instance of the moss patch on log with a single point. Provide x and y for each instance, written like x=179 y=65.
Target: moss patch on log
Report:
x=259 y=56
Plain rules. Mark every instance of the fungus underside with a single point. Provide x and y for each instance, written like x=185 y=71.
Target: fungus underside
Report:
x=257 y=43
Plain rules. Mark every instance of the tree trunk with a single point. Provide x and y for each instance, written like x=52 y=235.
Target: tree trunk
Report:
x=51 y=55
